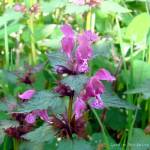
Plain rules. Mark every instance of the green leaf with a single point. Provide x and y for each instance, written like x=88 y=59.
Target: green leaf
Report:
x=138 y=28
x=49 y=7
x=102 y=49
x=143 y=88
x=76 y=82
x=74 y=145
x=4 y=124
x=10 y=15
x=97 y=138
x=3 y=107
x=42 y=134
x=112 y=100
x=43 y=100
x=57 y=58
x=8 y=77
x=139 y=140
x=113 y=7
x=118 y=122
x=13 y=27
x=76 y=9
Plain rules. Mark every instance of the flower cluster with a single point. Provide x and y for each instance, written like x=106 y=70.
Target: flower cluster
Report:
x=77 y=60
x=94 y=88
x=77 y=63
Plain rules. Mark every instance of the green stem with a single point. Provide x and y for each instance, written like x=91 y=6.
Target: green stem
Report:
x=88 y=19
x=70 y=109
x=16 y=144
x=5 y=143
x=102 y=128
x=33 y=50
x=131 y=129
x=6 y=47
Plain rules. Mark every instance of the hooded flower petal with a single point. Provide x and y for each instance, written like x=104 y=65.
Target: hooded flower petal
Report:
x=92 y=37
x=94 y=87
x=97 y=103
x=103 y=74
x=79 y=107
x=67 y=30
x=27 y=95
x=68 y=39
x=67 y=45
x=30 y=118
x=83 y=52
x=43 y=115
x=87 y=38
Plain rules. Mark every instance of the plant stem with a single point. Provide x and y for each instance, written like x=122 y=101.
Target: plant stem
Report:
x=16 y=144
x=102 y=128
x=70 y=109
x=6 y=47
x=88 y=19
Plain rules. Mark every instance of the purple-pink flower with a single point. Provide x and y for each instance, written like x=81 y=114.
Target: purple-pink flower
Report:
x=79 y=107
x=68 y=39
x=78 y=61
x=103 y=74
x=31 y=117
x=20 y=8
x=27 y=94
x=93 y=89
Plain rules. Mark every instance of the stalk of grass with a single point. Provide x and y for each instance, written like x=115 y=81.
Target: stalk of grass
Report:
x=6 y=46
x=128 y=86
x=31 y=27
x=102 y=128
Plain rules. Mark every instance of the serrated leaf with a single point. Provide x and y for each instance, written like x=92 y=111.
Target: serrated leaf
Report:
x=76 y=9
x=76 y=82
x=74 y=145
x=112 y=100
x=144 y=89
x=43 y=100
x=113 y=7
x=42 y=134
x=4 y=124
x=139 y=140
x=49 y=7
x=57 y=58
x=137 y=30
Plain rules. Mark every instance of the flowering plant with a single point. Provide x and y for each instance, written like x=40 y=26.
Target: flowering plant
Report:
x=64 y=111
